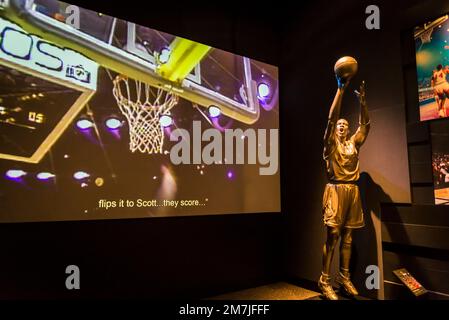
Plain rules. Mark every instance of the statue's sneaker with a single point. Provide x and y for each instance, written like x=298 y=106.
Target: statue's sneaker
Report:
x=345 y=283
x=326 y=288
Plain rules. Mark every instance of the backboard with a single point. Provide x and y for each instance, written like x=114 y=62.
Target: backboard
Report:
x=42 y=89
x=216 y=77
x=424 y=32
x=198 y=73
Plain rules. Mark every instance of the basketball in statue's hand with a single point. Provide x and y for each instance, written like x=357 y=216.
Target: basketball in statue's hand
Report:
x=345 y=68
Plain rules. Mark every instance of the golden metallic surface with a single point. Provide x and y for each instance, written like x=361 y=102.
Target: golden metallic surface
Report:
x=342 y=163
x=275 y=291
x=325 y=286
x=342 y=207
x=344 y=282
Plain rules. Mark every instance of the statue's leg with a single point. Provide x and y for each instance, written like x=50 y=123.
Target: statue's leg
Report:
x=345 y=248
x=324 y=283
x=343 y=278
x=333 y=234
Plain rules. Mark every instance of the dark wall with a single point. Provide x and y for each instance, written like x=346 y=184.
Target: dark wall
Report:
x=312 y=45
x=188 y=257
x=419 y=133
x=160 y=257
x=414 y=236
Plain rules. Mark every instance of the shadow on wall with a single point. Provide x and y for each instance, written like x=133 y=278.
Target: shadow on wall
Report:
x=367 y=244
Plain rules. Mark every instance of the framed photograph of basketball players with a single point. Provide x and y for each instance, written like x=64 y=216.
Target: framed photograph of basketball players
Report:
x=432 y=68
x=440 y=161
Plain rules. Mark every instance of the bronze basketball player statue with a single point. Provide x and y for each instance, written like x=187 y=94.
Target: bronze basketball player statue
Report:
x=342 y=208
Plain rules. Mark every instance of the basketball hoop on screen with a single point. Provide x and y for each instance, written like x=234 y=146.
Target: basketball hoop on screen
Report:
x=426 y=36
x=424 y=33
x=144 y=107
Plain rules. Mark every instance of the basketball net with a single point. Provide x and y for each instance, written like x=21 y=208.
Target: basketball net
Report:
x=143 y=109
x=426 y=36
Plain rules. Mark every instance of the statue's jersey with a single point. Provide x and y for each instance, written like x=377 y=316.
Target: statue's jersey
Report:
x=342 y=162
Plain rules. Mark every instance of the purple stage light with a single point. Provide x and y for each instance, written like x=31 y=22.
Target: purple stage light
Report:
x=80 y=175
x=230 y=174
x=113 y=123
x=45 y=176
x=15 y=174
x=165 y=121
x=263 y=90
x=84 y=124
x=214 y=111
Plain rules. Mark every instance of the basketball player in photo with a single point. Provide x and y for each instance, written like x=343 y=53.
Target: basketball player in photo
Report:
x=440 y=88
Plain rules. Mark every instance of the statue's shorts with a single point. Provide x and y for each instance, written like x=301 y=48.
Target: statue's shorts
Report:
x=342 y=207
